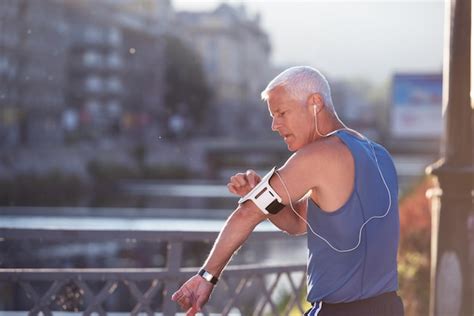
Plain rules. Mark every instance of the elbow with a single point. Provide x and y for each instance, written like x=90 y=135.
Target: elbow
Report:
x=295 y=233
x=288 y=232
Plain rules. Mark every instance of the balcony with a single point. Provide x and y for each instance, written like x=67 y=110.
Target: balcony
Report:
x=264 y=288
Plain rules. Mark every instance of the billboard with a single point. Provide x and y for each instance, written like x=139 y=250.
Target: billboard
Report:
x=416 y=106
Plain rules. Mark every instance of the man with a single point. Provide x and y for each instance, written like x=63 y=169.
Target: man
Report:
x=338 y=187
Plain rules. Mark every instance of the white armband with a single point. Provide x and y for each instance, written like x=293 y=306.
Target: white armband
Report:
x=263 y=195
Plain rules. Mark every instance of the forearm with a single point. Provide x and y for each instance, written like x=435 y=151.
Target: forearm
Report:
x=235 y=232
x=287 y=221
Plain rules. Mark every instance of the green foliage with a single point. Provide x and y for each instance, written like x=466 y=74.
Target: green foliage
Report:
x=414 y=254
x=187 y=91
x=282 y=305
x=414 y=276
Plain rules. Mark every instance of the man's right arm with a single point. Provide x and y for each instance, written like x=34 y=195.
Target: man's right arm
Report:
x=195 y=292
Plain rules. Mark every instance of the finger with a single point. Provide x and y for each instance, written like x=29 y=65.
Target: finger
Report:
x=250 y=172
x=201 y=300
x=251 y=177
x=183 y=306
x=185 y=303
x=231 y=188
x=191 y=312
x=177 y=295
x=241 y=179
x=182 y=299
x=238 y=179
x=188 y=293
x=235 y=181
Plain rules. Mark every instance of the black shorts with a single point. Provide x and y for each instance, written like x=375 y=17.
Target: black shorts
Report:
x=387 y=304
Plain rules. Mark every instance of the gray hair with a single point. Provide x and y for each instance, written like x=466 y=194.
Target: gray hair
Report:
x=300 y=82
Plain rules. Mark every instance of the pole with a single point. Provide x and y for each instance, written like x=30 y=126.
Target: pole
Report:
x=452 y=243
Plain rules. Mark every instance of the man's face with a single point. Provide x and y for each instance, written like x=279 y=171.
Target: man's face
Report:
x=291 y=118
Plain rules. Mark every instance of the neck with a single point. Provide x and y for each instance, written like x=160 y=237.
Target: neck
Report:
x=328 y=123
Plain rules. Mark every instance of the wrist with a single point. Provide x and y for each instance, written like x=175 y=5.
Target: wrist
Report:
x=208 y=276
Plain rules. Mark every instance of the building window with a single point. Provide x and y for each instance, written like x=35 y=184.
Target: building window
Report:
x=94 y=83
x=92 y=58
x=114 y=60
x=3 y=64
x=113 y=107
x=114 y=84
x=93 y=35
x=114 y=37
x=93 y=106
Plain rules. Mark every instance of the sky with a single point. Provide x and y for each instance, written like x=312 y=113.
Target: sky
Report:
x=349 y=39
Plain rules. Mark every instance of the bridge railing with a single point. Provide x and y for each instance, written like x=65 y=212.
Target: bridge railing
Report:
x=250 y=289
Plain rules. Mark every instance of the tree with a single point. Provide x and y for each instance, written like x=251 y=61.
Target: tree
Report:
x=187 y=93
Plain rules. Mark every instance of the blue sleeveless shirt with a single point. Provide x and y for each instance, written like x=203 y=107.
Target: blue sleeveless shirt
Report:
x=370 y=269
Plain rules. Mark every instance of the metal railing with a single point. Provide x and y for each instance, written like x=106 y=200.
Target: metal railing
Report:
x=269 y=289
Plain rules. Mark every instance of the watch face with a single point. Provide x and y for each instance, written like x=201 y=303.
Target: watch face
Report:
x=207 y=276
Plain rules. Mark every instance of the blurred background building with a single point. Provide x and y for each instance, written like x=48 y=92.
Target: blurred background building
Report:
x=111 y=71
x=33 y=76
x=70 y=71
x=131 y=72
x=236 y=57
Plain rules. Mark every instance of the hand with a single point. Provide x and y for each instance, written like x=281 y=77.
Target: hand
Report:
x=193 y=295
x=241 y=183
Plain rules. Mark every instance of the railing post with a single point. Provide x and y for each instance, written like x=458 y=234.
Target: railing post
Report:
x=173 y=264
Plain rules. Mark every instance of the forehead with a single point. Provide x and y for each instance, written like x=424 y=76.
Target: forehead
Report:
x=279 y=98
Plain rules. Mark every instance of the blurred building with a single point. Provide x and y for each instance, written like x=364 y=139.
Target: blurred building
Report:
x=32 y=76
x=73 y=70
x=69 y=67
x=119 y=65
x=235 y=52
x=144 y=71
x=155 y=12
x=94 y=72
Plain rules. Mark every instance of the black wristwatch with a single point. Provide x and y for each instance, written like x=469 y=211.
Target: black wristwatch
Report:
x=208 y=277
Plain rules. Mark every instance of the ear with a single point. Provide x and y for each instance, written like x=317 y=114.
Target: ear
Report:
x=315 y=99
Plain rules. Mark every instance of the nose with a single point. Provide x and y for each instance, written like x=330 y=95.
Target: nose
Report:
x=275 y=124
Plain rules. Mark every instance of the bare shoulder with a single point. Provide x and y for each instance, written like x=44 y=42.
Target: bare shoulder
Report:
x=322 y=153
x=316 y=165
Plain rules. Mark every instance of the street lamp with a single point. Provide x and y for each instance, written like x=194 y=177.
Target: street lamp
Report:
x=452 y=243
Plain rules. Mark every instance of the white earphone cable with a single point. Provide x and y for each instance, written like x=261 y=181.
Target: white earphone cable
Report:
x=368 y=220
